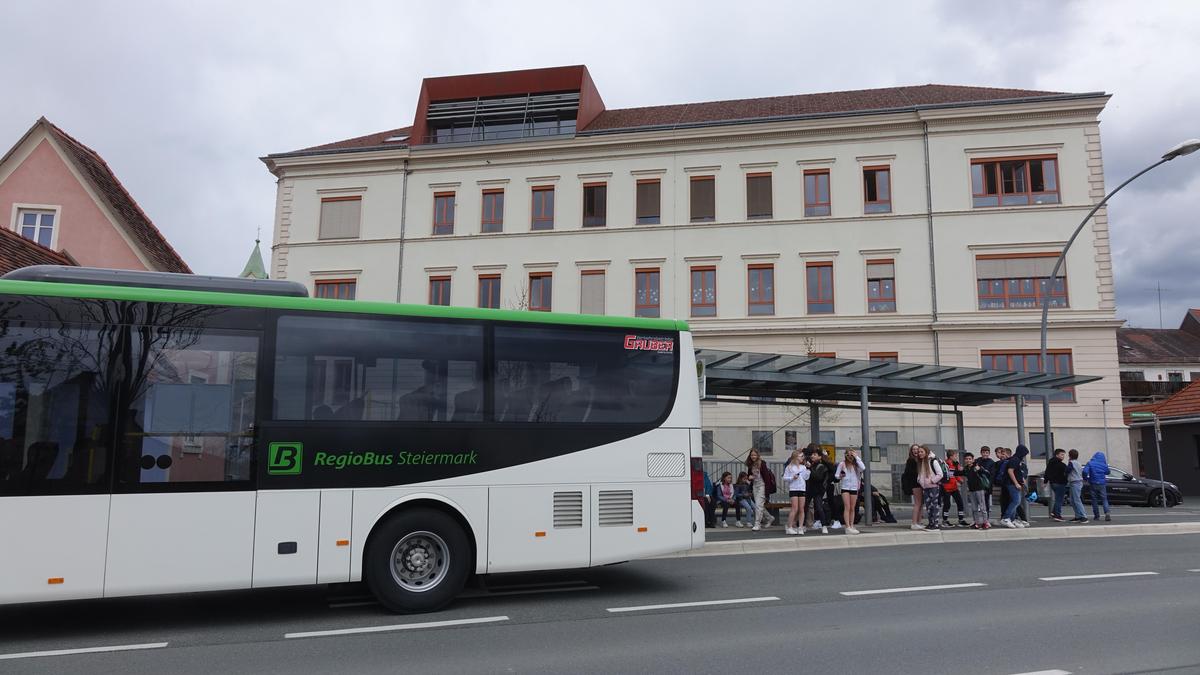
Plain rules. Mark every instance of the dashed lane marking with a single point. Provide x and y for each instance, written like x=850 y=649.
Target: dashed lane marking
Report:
x=1046 y=672
x=394 y=627
x=1099 y=576
x=702 y=603
x=84 y=650
x=913 y=589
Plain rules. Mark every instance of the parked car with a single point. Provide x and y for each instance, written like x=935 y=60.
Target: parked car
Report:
x=1126 y=490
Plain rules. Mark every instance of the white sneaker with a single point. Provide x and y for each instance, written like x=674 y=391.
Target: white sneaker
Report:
x=837 y=525
x=770 y=520
x=1005 y=522
x=724 y=523
x=851 y=530
x=816 y=524
x=755 y=528
x=801 y=530
x=917 y=526
x=789 y=530
x=824 y=530
x=1020 y=523
x=738 y=523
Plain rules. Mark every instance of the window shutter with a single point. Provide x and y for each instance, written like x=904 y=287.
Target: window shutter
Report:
x=591 y=294
x=649 y=199
x=340 y=218
x=703 y=201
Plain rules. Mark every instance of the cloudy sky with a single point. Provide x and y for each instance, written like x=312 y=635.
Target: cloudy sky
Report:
x=181 y=98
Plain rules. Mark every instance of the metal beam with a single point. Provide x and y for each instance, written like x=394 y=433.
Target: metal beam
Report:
x=865 y=451
x=822 y=377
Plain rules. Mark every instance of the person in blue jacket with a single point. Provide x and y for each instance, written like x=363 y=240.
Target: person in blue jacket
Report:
x=1095 y=472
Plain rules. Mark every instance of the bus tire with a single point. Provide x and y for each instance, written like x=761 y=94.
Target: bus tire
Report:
x=417 y=561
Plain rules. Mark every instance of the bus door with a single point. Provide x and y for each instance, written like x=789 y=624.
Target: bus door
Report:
x=55 y=455
x=182 y=513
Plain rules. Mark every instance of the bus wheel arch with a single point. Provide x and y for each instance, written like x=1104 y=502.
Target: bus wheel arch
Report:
x=419 y=555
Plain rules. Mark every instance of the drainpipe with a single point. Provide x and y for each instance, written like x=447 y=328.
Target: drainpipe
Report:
x=933 y=297
x=403 y=219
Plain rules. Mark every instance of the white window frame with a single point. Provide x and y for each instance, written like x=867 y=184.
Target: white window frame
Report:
x=15 y=220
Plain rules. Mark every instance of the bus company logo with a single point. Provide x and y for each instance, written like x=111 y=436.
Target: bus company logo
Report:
x=285 y=459
x=642 y=343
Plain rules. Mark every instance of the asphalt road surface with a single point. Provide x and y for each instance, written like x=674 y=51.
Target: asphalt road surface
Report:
x=1003 y=609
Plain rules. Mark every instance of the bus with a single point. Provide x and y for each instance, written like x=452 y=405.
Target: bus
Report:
x=165 y=433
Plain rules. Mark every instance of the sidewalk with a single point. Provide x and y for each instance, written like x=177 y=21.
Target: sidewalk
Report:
x=1127 y=521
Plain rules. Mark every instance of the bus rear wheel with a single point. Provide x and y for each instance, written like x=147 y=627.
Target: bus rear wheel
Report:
x=417 y=561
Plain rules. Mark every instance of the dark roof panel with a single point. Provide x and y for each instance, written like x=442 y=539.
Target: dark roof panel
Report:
x=1157 y=345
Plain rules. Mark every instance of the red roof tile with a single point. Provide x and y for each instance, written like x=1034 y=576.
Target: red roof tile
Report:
x=860 y=100
x=17 y=252
x=829 y=103
x=153 y=244
x=1185 y=403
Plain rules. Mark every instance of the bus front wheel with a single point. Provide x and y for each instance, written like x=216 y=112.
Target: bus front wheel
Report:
x=417 y=561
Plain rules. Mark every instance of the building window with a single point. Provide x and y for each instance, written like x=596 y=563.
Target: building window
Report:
x=763 y=442
x=706 y=442
x=1031 y=362
x=760 y=289
x=704 y=291
x=887 y=438
x=1019 y=281
x=828 y=438
x=489 y=291
x=340 y=217
x=890 y=357
x=877 y=189
x=543 y=207
x=341 y=289
x=595 y=205
x=1133 y=376
x=1175 y=376
x=493 y=211
x=591 y=292
x=439 y=291
x=816 y=192
x=758 y=195
x=820 y=287
x=1037 y=444
x=881 y=286
x=443 y=213
x=36 y=225
x=649 y=202
x=704 y=199
x=541 y=287
x=646 y=293
x=1014 y=181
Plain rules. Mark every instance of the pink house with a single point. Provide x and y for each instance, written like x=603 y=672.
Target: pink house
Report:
x=60 y=194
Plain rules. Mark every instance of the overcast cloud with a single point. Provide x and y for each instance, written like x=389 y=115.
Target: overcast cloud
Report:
x=181 y=98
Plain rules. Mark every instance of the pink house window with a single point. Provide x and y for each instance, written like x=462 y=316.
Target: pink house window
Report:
x=36 y=225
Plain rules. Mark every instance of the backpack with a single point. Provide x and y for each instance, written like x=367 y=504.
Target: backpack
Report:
x=985 y=480
x=768 y=480
x=999 y=473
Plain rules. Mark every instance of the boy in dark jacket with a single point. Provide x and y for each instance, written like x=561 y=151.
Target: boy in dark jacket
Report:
x=1056 y=477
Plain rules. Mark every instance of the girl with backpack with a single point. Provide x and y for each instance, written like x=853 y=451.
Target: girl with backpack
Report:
x=849 y=472
x=929 y=477
x=908 y=484
x=762 y=482
x=795 y=474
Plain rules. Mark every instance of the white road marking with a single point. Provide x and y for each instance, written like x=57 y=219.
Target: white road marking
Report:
x=1099 y=576
x=1194 y=570
x=85 y=650
x=913 y=589
x=702 y=603
x=394 y=627
x=1046 y=672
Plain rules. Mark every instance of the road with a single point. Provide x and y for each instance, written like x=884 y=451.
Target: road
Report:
x=813 y=611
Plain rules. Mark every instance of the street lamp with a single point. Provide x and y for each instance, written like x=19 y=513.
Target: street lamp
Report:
x=1185 y=148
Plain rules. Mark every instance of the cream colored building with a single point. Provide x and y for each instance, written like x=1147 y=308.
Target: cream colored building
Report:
x=944 y=208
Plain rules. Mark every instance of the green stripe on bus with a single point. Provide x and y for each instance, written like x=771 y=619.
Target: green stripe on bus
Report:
x=137 y=294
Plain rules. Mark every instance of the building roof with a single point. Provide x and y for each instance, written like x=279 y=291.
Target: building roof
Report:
x=255 y=269
x=1157 y=345
x=122 y=204
x=17 y=252
x=1185 y=403
x=826 y=104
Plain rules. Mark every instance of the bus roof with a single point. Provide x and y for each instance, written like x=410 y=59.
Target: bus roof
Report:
x=141 y=294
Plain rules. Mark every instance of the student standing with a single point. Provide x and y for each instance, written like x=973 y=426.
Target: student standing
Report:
x=1075 y=483
x=1056 y=477
x=815 y=489
x=979 y=483
x=795 y=474
x=950 y=489
x=1096 y=475
x=989 y=465
x=833 y=502
x=929 y=477
x=849 y=472
x=761 y=479
x=1015 y=473
x=909 y=485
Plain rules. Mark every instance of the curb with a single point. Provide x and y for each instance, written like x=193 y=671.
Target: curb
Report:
x=910 y=537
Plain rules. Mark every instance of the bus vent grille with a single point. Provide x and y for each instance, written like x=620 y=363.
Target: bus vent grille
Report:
x=666 y=464
x=616 y=508
x=568 y=509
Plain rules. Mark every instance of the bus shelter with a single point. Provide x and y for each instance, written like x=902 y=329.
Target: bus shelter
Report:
x=824 y=382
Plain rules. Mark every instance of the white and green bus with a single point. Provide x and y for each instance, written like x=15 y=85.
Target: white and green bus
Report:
x=171 y=433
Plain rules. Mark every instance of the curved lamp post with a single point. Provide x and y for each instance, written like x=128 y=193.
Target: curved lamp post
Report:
x=1185 y=148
